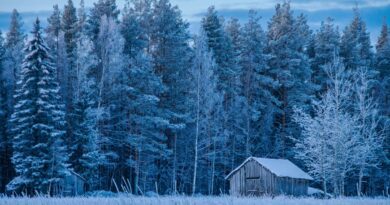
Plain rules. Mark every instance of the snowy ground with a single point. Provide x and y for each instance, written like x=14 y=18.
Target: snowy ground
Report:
x=193 y=201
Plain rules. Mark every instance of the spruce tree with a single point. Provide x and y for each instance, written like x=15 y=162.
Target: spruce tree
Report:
x=38 y=122
x=5 y=144
x=70 y=29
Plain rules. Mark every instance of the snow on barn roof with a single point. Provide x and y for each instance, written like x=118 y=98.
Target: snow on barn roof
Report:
x=279 y=167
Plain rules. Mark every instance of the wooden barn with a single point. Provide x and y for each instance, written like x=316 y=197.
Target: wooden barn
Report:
x=264 y=176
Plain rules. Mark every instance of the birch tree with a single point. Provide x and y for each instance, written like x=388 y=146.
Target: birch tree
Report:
x=369 y=133
x=206 y=99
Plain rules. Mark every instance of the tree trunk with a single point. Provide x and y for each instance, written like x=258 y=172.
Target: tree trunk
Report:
x=359 y=185
x=247 y=150
x=196 y=132
x=213 y=168
x=174 y=163
x=324 y=186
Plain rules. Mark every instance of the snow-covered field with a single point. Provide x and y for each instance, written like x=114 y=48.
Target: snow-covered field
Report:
x=193 y=201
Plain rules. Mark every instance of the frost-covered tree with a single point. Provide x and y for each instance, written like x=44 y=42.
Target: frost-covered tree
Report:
x=101 y=8
x=224 y=44
x=287 y=42
x=206 y=100
x=326 y=47
x=82 y=18
x=70 y=27
x=5 y=144
x=142 y=111
x=217 y=40
x=257 y=86
x=112 y=63
x=133 y=31
x=14 y=54
x=86 y=157
x=355 y=46
x=313 y=149
x=329 y=144
x=53 y=28
x=169 y=48
x=38 y=123
x=369 y=132
x=235 y=103
x=383 y=66
x=12 y=60
x=55 y=41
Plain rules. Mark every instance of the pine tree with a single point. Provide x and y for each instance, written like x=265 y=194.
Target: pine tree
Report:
x=101 y=8
x=222 y=45
x=355 y=46
x=170 y=51
x=143 y=112
x=82 y=18
x=257 y=85
x=54 y=27
x=327 y=45
x=38 y=123
x=55 y=41
x=234 y=110
x=287 y=42
x=133 y=31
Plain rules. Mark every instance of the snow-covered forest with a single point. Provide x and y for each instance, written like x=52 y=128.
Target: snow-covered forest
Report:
x=133 y=102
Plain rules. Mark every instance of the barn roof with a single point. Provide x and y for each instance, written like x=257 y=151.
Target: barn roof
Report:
x=279 y=167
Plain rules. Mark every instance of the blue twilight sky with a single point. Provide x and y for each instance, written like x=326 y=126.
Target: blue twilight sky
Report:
x=372 y=11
